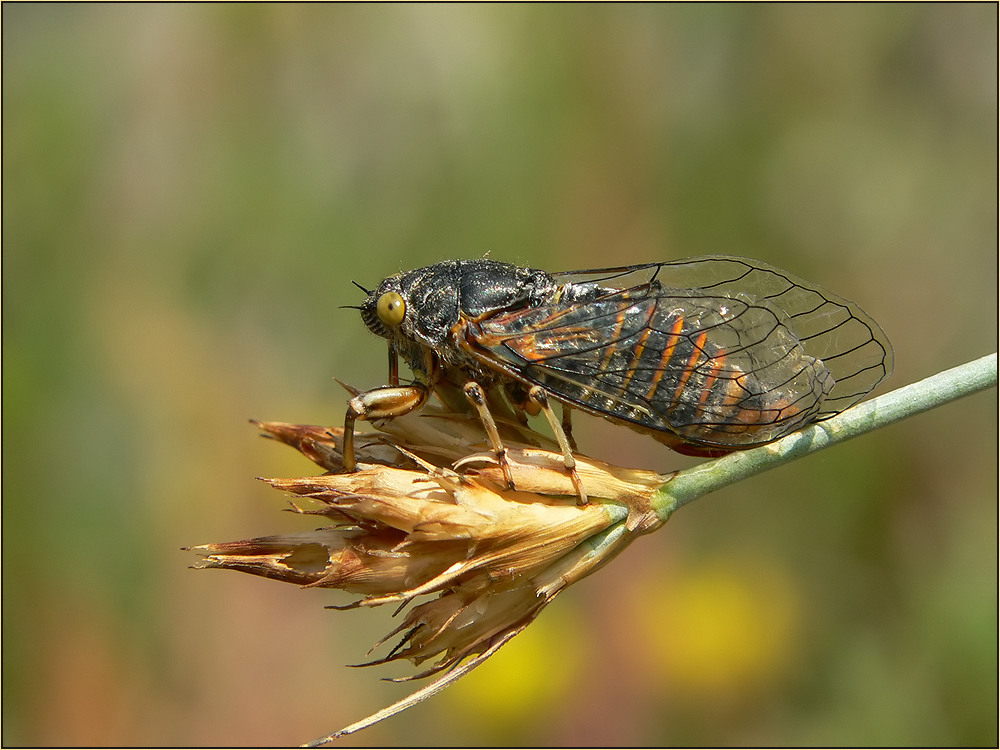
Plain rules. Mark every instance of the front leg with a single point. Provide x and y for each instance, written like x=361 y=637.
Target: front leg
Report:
x=379 y=403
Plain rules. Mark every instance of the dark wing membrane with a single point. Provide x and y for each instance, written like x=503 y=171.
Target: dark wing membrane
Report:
x=852 y=346
x=709 y=368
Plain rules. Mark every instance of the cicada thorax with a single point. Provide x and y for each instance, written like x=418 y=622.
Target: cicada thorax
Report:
x=690 y=369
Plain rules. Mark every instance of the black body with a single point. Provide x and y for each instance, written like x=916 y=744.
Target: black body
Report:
x=716 y=351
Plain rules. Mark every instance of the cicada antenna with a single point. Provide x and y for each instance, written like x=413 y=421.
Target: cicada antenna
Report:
x=356 y=307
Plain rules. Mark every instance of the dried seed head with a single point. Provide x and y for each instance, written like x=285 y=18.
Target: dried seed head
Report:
x=407 y=525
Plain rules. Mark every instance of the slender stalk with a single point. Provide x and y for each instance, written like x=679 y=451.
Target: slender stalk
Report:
x=907 y=401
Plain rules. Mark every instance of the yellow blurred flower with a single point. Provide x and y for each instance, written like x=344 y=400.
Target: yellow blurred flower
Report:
x=733 y=625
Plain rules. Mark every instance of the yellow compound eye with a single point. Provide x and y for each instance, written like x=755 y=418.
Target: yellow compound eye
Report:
x=391 y=308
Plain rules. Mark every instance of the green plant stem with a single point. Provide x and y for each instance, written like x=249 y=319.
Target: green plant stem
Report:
x=907 y=401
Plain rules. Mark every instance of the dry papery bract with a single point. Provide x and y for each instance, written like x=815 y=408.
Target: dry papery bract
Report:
x=429 y=515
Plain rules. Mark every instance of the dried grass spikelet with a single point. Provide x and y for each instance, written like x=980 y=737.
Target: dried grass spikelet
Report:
x=409 y=524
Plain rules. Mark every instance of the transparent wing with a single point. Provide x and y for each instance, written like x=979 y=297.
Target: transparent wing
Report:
x=717 y=351
x=851 y=344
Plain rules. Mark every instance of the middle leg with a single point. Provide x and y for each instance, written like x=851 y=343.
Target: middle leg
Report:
x=537 y=395
x=477 y=397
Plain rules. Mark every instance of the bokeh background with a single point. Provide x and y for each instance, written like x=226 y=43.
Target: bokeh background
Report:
x=188 y=191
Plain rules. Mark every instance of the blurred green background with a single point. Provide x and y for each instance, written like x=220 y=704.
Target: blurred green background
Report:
x=188 y=191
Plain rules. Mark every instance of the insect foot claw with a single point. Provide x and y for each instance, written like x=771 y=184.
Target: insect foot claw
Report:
x=505 y=467
x=490 y=458
x=581 y=493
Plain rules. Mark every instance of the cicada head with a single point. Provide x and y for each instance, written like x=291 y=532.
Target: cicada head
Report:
x=384 y=309
x=413 y=310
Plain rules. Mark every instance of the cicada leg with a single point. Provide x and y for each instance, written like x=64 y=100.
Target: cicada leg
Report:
x=477 y=397
x=379 y=403
x=393 y=367
x=537 y=395
x=567 y=426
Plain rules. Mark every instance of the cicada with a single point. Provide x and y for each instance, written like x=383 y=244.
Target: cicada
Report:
x=708 y=355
